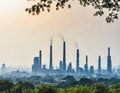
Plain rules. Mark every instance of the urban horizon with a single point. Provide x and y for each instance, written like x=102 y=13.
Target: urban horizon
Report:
x=39 y=64
x=57 y=66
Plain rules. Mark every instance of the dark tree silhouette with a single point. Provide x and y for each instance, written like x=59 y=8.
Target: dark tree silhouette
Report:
x=5 y=85
x=112 y=7
x=85 y=81
x=69 y=78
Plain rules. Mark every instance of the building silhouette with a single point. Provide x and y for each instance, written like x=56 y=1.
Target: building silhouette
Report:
x=86 y=65
x=60 y=65
x=40 y=59
x=44 y=67
x=50 y=65
x=99 y=65
x=64 y=56
x=91 y=69
x=109 y=62
x=3 y=68
x=36 y=66
x=69 y=70
x=77 y=61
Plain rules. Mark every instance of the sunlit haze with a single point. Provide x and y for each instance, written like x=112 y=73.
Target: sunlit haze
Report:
x=23 y=35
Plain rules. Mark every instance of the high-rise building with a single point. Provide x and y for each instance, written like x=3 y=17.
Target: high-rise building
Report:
x=99 y=65
x=35 y=66
x=40 y=59
x=50 y=65
x=77 y=61
x=86 y=65
x=109 y=62
x=64 y=56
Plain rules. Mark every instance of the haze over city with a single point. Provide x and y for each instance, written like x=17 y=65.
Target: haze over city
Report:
x=23 y=35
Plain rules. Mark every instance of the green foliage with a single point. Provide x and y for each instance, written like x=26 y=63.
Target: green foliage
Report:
x=78 y=89
x=69 y=81
x=28 y=85
x=23 y=87
x=46 y=89
x=35 y=79
x=100 y=88
x=67 y=84
x=66 y=87
x=85 y=81
x=49 y=79
x=112 y=7
x=115 y=88
x=5 y=85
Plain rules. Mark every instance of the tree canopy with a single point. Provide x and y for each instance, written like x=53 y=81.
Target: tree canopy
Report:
x=112 y=7
x=5 y=85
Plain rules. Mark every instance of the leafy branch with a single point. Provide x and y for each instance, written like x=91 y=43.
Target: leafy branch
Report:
x=112 y=7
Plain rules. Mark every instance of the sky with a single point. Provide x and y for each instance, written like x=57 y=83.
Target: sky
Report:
x=23 y=35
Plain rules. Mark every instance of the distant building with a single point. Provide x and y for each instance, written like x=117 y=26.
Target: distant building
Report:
x=91 y=69
x=77 y=61
x=44 y=67
x=63 y=68
x=109 y=62
x=81 y=70
x=40 y=59
x=3 y=68
x=99 y=65
x=36 y=66
x=64 y=56
x=86 y=65
x=50 y=65
x=60 y=66
x=69 y=70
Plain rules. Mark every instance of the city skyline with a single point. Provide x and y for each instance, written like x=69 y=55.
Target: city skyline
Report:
x=62 y=63
x=40 y=68
x=23 y=35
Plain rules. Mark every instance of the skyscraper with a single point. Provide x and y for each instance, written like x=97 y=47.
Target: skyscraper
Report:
x=99 y=65
x=64 y=56
x=50 y=65
x=40 y=59
x=77 y=61
x=109 y=62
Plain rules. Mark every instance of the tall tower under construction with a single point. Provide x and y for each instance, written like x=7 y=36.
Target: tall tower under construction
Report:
x=109 y=62
x=50 y=65
x=77 y=61
x=64 y=56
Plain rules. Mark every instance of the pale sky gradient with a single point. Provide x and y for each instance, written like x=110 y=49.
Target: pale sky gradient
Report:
x=23 y=35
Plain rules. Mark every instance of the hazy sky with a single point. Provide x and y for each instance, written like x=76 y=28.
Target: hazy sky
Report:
x=23 y=35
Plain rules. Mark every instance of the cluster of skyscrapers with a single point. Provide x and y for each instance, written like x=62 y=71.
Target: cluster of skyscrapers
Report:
x=37 y=67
